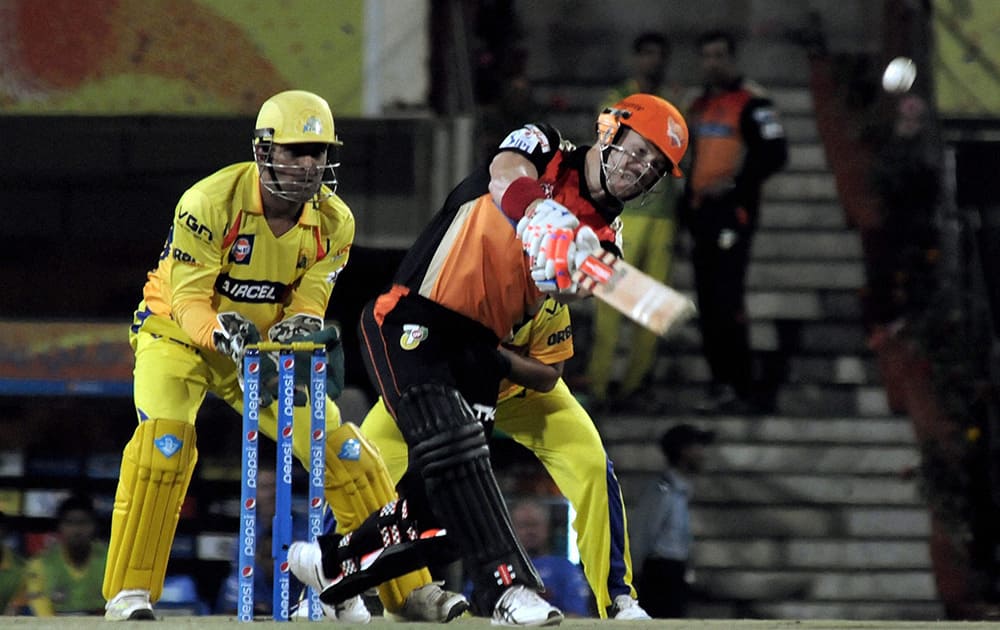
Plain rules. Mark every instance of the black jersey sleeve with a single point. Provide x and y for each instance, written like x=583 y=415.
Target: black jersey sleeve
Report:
x=539 y=142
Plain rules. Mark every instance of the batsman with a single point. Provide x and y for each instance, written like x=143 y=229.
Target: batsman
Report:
x=509 y=234
x=254 y=250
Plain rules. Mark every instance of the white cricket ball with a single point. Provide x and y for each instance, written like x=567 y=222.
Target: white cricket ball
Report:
x=899 y=75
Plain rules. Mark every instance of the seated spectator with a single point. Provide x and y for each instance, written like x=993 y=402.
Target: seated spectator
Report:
x=565 y=585
x=66 y=577
x=11 y=574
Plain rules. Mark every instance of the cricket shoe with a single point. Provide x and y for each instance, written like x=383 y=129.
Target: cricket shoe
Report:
x=129 y=605
x=626 y=608
x=432 y=603
x=305 y=559
x=352 y=610
x=521 y=606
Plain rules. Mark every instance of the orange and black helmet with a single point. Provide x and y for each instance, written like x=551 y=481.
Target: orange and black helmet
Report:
x=653 y=118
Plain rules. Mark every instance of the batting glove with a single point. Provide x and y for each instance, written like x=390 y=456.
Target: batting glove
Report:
x=560 y=256
x=545 y=217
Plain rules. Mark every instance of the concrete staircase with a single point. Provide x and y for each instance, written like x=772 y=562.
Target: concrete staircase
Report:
x=810 y=512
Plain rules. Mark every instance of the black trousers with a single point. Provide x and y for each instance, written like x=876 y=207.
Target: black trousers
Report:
x=722 y=234
x=663 y=592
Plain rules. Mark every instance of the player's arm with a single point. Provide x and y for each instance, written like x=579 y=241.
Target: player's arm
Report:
x=531 y=373
x=515 y=169
x=767 y=146
x=538 y=364
x=197 y=260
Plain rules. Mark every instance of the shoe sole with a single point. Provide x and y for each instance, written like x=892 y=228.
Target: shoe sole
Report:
x=143 y=614
x=456 y=611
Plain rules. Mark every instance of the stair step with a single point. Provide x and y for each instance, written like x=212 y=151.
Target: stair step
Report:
x=803 y=215
x=929 y=611
x=783 y=459
x=778 y=275
x=806 y=157
x=832 y=554
x=790 y=489
x=808 y=337
x=819 y=586
x=795 y=100
x=800 y=129
x=785 y=186
x=810 y=522
x=807 y=400
x=889 y=431
x=806 y=244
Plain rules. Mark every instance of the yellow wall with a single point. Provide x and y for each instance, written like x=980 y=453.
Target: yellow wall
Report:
x=177 y=56
x=967 y=57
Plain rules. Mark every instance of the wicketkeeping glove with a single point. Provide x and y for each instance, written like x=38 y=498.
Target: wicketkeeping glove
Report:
x=234 y=334
x=329 y=337
x=294 y=328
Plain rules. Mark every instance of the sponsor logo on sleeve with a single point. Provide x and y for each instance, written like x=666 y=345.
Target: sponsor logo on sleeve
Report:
x=193 y=225
x=527 y=139
x=182 y=256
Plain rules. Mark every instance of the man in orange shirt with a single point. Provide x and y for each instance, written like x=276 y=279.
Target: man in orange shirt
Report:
x=737 y=142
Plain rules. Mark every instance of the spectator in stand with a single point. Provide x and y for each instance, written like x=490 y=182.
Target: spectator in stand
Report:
x=565 y=585
x=737 y=142
x=648 y=230
x=906 y=180
x=11 y=573
x=66 y=578
x=663 y=530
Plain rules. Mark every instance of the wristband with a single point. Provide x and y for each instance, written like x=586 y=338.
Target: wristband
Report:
x=519 y=195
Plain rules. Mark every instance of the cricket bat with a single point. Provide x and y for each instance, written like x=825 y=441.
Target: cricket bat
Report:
x=635 y=294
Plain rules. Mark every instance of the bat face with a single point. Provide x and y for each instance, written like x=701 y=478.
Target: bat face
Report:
x=635 y=294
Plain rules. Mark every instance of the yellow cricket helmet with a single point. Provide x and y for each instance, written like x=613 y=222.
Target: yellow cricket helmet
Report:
x=296 y=116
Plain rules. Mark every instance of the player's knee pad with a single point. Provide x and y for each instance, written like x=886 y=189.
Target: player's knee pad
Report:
x=448 y=445
x=357 y=484
x=156 y=469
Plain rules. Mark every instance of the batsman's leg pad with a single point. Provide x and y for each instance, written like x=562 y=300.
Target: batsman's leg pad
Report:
x=448 y=447
x=156 y=469
x=357 y=484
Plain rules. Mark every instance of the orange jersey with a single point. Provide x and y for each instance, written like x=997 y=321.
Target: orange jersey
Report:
x=220 y=255
x=469 y=258
x=736 y=135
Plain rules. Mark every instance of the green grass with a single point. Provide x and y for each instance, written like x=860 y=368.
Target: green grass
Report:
x=186 y=623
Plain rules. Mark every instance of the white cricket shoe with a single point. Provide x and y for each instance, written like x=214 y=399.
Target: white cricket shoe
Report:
x=129 y=605
x=627 y=609
x=432 y=603
x=521 y=606
x=305 y=559
x=351 y=610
